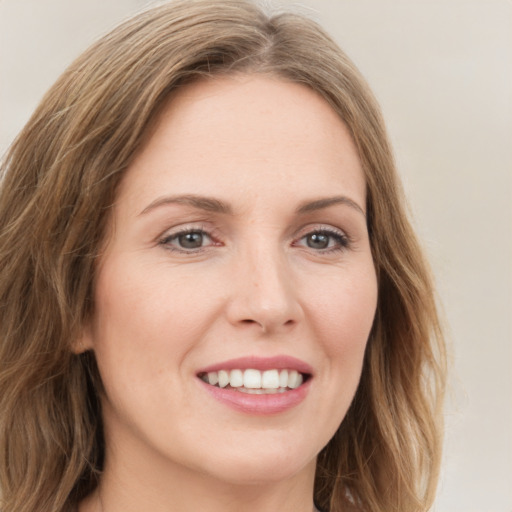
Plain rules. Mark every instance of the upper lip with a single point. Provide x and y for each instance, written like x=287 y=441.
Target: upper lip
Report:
x=280 y=362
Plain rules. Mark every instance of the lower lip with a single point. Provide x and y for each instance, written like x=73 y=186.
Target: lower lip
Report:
x=259 y=404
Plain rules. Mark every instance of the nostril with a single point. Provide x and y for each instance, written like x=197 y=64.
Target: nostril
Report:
x=249 y=321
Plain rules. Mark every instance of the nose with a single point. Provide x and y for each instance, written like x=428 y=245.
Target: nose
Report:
x=264 y=293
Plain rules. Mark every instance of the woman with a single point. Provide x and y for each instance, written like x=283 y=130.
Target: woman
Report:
x=211 y=296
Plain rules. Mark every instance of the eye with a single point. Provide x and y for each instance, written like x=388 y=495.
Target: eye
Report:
x=324 y=240
x=188 y=240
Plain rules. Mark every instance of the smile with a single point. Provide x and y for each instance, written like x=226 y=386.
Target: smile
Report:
x=254 y=381
x=258 y=385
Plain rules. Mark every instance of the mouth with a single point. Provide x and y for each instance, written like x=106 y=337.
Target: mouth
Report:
x=256 y=382
x=258 y=385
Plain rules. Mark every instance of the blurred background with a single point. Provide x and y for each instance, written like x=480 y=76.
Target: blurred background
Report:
x=442 y=71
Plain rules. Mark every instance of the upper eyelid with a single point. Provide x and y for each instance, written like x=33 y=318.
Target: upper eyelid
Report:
x=333 y=233
x=186 y=228
x=311 y=228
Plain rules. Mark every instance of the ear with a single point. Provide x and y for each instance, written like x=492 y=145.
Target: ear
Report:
x=84 y=341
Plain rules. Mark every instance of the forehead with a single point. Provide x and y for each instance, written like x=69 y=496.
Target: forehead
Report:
x=247 y=134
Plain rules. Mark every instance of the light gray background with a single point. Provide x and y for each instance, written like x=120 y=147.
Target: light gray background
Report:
x=442 y=70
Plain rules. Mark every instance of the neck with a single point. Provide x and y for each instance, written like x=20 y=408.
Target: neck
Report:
x=285 y=497
x=142 y=484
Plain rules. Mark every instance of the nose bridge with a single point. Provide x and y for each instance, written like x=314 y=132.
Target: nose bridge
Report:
x=265 y=292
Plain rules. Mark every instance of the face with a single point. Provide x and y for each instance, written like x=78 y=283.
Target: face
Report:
x=237 y=291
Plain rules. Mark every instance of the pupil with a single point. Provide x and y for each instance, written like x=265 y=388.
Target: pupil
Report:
x=191 y=240
x=318 y=241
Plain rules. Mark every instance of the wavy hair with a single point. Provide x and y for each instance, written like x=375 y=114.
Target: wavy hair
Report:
x=59 y=181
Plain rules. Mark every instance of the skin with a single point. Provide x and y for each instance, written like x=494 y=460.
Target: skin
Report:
x=254 y=287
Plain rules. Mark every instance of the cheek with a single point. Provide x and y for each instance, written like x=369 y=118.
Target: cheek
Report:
x=345 y=309
x=147 y=318
x=343 y=317
x=143 y=331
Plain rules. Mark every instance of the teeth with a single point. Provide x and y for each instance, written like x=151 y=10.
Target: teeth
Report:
x=261 y=391
x=213 y=378
x=250 y=391
x=254 y=381
x=294 y=379
x=270 y=379
x=236 y=378
x=223 y=378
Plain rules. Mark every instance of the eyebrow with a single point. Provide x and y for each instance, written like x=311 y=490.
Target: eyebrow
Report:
x=320 y=204
x=210 y=204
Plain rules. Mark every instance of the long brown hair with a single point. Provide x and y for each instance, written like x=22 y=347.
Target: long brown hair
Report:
x=59 y=181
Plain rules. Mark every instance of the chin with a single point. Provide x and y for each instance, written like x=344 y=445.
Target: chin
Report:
x=260 y=472
x=259 y=466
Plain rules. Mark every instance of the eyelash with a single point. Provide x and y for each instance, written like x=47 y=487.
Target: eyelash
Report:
x=342 y=241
